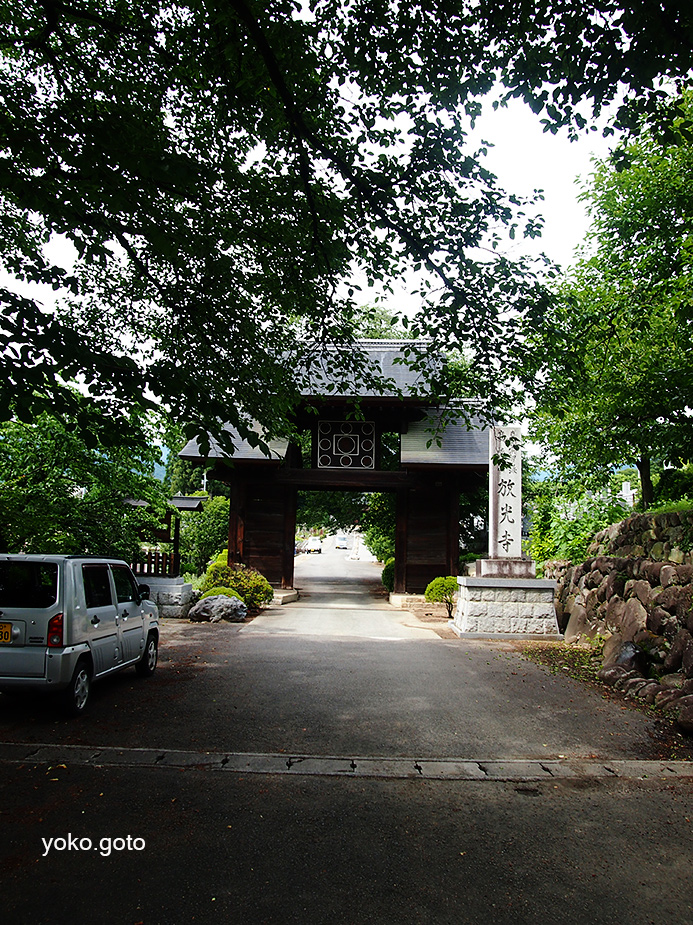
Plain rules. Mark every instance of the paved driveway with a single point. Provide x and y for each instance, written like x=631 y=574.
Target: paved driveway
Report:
x=336 y=761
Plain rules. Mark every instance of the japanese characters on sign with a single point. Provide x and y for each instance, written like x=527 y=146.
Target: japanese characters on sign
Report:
x=505 y=493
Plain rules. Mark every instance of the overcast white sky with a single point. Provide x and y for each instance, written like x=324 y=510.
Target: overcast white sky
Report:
x=525 y=158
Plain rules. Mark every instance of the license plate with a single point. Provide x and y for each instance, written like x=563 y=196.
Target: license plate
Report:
x=5 y=633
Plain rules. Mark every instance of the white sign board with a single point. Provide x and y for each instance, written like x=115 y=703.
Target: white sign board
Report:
x=505 y=493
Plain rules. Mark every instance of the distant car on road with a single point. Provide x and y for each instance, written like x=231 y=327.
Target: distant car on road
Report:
x=341 y=542
x=314 y=544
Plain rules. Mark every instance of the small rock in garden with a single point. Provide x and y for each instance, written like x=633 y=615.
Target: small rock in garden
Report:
x=633 y=685
x=666 y=697
x=218 y=607
x=624 y=679
x=672 y=681
x=649 y=692
x=684 y=716
x=611 y=674
x=630 y=657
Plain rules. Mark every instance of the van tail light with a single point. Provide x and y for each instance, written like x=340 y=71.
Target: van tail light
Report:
x=55 y=631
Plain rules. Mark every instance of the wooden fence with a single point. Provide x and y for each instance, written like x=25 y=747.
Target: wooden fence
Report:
x=157 y=565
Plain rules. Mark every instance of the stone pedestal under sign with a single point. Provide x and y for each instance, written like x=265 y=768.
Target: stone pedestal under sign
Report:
x=173 y=596
x=511 y=606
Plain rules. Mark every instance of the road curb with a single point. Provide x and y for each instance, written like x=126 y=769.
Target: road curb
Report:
x=369 y=766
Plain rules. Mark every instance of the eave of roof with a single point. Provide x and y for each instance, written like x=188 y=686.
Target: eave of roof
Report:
x=462 y=446
x=243 y=451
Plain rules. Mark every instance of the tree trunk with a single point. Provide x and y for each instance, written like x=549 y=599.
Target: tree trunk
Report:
x=646 y=487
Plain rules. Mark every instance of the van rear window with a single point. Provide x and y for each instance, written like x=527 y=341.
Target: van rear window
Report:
x=28 y=584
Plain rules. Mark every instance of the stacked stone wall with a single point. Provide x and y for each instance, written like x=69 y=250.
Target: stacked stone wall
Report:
x=639 y=576
x=660 y=537
x=636 y=589
x=173 y=597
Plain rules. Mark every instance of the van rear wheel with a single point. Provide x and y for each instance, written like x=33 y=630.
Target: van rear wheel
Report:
x=146 y=665
x=76 y=696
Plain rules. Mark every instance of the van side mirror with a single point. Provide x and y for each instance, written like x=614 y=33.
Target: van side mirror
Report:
x=145 y=593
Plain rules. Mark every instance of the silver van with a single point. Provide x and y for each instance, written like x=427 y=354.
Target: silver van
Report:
x=68 y=620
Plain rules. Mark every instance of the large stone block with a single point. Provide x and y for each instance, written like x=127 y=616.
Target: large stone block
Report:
x=174 y=611
x=477 y=609
x=488 y=625
x=520 y=607
x=577 y=622
x=535 y=597
x=506 y=568
x=615 y=609
x=634 y=619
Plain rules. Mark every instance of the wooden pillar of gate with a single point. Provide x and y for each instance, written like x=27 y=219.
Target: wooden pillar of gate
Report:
x=289 y=543
x=400 y=585
x=236 y=522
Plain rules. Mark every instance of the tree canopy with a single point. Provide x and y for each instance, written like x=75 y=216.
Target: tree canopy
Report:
x=223 y=172
x=611 y=364
x=58 y=495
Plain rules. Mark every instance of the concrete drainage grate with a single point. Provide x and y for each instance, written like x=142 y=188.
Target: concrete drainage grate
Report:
x=441 y=769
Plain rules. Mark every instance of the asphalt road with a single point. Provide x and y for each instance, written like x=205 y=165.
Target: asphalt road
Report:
x=267 y=773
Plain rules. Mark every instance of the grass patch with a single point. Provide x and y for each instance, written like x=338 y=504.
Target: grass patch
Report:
x=682 y=506
x=575 y=661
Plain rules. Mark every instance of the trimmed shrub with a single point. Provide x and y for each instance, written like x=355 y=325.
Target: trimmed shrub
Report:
x=216 y=576
x=443 y=590
x=228 y=592
x=252 y=587
x=388 y=576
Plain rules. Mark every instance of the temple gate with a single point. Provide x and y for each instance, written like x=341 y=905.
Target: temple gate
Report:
x=347 y=455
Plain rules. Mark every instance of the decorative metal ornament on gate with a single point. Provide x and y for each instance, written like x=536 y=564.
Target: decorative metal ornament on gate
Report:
x=346 y=445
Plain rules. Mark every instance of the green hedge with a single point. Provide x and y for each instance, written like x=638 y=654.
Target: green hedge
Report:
x=228 y=592
x=252 y=587
x=388 y=575
x=443 y=590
